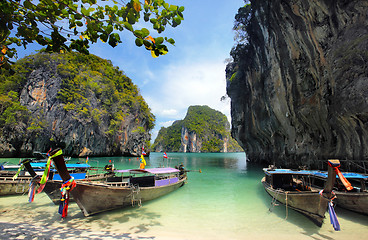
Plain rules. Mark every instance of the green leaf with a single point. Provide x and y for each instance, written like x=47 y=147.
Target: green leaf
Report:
x=139 y=42
x=138 y=33
x=65 y=12
x=145 y=32
x=84 y=11
x=28 y=4
x=159 y=40
x=109 y=29
x=147 y=44
x=173 y=8
x=170 y=40
x=131 y=17
x=156 y=26
x=146 y=17
x=114 y=39
x=128 y=26
x=78 y=16
x=181 y=15
x=79 y=23
x=181 y=9
x=177 y=20
x=104 y=37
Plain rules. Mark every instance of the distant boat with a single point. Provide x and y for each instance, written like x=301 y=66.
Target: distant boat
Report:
x=355 y=199
x=291 y=189
x=121 y=191
x=42 y=157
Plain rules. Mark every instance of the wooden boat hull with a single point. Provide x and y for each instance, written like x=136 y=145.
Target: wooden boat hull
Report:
x=8 y=186
x=52 y=187
x=310 y=204
x=357 y=202
x=356 y=199
x=95 y=198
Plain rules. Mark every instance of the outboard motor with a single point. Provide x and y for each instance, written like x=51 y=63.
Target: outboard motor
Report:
x=182 y=171
x=109 y=168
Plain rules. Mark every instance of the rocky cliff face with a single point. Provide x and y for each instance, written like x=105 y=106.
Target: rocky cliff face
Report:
x=189 y=142
x=299 y=87
x=78 y=132
x=202 y=130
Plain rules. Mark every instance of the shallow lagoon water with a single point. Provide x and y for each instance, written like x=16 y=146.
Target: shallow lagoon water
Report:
x=225 y=201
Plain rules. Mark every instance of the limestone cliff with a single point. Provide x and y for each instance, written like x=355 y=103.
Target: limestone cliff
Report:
x=80 y=103
x=202 y=130
x=299 y=85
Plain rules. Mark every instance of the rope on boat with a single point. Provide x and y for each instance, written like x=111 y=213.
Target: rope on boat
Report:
x=286 y=199
x=274 y=200
x=18 y=187
x=134 y=192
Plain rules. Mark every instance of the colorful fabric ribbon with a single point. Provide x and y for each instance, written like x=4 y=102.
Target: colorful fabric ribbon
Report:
x=19 y=169
x=46 y=173
x=65 y=189
x=333 y=218
x=31 y=191
x=344 y=181
x=142 y=164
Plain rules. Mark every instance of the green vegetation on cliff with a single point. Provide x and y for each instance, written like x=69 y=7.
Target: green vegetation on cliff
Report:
x=91 y=75
x=169 y=138
x=211 y=128
x=91 y=87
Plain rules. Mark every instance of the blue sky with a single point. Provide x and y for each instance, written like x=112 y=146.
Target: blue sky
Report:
x=193 y=72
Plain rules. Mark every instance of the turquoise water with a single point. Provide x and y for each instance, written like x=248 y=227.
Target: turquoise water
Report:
x=225 y=201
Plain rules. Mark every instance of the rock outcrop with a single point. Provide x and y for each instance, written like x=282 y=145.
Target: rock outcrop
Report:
x=83 y=123
x=202 y=130
x=299 y=87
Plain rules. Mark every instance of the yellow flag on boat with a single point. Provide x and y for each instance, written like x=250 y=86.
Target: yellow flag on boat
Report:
x=143 y=163
x=19 y=169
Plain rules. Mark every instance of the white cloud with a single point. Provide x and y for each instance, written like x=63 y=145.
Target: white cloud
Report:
x=169 y=112
x=194 y=83
x=167 y=123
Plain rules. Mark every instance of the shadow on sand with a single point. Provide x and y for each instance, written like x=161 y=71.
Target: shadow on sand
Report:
x=40 y=220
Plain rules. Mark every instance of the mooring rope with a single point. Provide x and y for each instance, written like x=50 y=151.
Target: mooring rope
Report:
x=286 y=199
x=135 y=191
x=274 y=200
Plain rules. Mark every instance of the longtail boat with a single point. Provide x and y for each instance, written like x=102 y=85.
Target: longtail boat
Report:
x=53 y=185
x=10 y=185
x=14 y=183
x=353 y=198
x=141 y=185
x=291 y=188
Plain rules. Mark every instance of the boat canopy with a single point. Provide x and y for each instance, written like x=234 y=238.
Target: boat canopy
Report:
x=322 y=174
x=150 y=170
x=286 y=171
x=69 y=165
x=346 y=175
